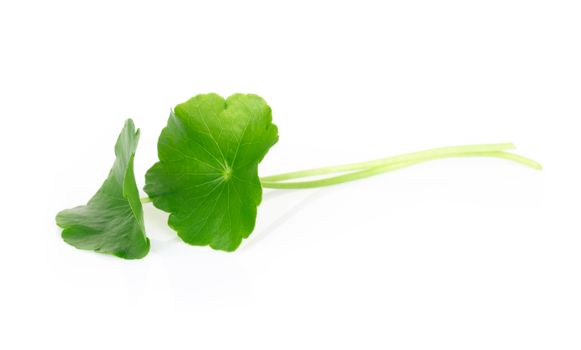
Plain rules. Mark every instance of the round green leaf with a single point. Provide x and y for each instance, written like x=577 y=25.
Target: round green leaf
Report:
x=207 y=174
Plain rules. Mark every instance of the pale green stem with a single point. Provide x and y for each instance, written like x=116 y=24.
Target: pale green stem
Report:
x=379 y=169
x=390 y=160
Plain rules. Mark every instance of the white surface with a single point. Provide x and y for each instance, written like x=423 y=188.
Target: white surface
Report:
x=455 y=254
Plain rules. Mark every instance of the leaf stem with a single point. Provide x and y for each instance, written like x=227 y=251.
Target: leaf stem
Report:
x=389 y=160
x=366 y=169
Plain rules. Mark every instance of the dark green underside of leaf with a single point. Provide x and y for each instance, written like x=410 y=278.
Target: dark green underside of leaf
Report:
x=112 y=221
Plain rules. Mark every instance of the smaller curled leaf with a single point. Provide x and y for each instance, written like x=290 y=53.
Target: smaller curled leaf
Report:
x=112 y=220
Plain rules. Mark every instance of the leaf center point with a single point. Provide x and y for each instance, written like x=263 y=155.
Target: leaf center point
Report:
x=227 y=173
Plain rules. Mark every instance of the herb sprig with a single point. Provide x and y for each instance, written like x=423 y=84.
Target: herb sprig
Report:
x=207 y=178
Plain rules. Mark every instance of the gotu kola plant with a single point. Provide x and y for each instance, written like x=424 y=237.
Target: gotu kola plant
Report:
x=207 y=178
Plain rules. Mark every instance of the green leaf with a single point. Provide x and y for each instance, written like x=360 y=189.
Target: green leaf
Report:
x=112 y=221
x=207 y=176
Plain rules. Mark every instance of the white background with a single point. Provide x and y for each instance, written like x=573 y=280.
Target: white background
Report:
x=454 y=254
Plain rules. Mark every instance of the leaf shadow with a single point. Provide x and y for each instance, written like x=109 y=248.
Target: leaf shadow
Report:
x=260 y=235
x=161 y=236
